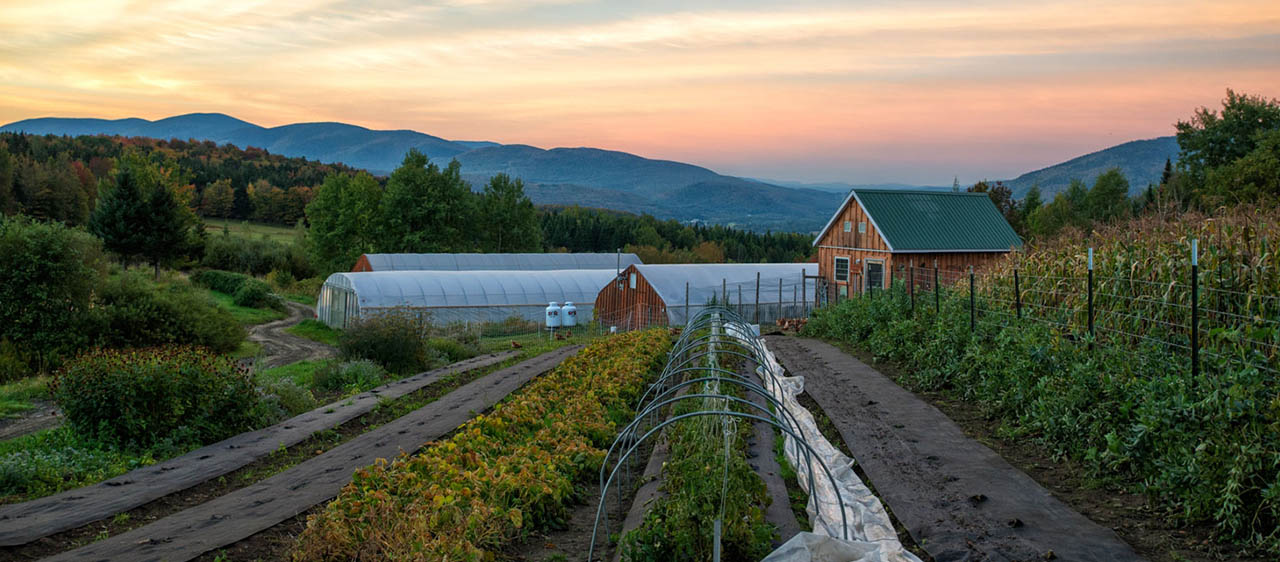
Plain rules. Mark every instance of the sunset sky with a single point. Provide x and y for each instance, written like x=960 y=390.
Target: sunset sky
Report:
x=859 y=92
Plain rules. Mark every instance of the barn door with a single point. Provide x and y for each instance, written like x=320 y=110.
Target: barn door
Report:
x=875 y=274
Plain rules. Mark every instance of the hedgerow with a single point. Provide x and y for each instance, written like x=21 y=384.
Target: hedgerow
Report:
x=500 y=475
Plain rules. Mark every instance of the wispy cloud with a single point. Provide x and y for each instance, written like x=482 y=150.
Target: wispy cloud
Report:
x=816 y=91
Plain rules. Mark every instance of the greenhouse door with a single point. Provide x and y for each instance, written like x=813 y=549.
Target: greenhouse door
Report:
x=875 y=274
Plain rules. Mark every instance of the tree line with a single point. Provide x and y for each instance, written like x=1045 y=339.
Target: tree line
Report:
x=1226 y=158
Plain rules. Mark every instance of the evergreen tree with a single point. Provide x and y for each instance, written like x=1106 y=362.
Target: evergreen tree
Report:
x=167 y=229
x=1109 y=198
x=121 y=211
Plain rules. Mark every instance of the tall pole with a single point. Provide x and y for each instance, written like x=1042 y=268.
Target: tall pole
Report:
x=937 y=290
x=1195 y=307
x=973 y=304
x=724 y=292
x=686 y=302
x=804 y=284
x=739 y=298
x=795 y=298
x=1017 y=293
x=911 y=274
x=1090 y=312
x=757 y=311
x=779 y=297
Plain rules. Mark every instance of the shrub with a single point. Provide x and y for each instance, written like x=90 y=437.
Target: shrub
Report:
x=171 y=397
x=220 y=281
x=451 y=350
x=133 y=311
x=256 y=256
x=13 y=365
x=289 y=397
x=48 y=279
x=352 y=375
x=257 y=294
x=393 y=340
x=282 y=280
x=309 y=286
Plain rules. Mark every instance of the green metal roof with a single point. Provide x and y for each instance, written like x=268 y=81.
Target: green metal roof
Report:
x=935 y=221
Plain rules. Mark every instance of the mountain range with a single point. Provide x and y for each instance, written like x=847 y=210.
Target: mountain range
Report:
x=586 y=176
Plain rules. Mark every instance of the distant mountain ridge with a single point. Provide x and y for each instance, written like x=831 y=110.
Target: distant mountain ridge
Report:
x=570 y=176
x=590 y=176
x=1142 y=162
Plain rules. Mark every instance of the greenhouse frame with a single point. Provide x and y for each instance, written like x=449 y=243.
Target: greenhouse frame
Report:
x=493 y=262
x=448 y=297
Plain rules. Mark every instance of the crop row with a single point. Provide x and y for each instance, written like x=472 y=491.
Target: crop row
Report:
x=500 y=474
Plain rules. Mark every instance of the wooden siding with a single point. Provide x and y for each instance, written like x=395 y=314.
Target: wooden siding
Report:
x=627 y=308
x=362 y=264
x=871 y=246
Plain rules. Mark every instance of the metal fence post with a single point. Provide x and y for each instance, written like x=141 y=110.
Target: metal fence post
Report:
x=804 y=284
x=911 y=274
x=973 y=304
x=757 y=313
x=1195 y=307
x=740 y=299
x=1017 y=293
x=779 y=298
x=1090 y=312
x=686 y=302
x=724 y=292
x=937 y=294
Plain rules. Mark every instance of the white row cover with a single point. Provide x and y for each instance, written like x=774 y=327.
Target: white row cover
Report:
x=458 y=296
x=706 y=281
x=498 y=262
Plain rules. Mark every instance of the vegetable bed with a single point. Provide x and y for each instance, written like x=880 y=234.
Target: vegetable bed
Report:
x=500 y=475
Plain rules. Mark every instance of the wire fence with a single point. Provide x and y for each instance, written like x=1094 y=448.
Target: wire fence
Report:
x=1210 y=327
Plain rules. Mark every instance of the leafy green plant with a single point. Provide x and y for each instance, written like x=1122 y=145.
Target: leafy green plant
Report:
x=257 y=294
x=171 y=397
x=221 y=281
x=133 y=311
x=395 y=340
x=355 y=376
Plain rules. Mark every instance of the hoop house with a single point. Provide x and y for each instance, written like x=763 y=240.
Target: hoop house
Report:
x=457 y=296
x=669 y=294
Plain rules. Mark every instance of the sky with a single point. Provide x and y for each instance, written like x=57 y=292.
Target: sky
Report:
x=906 y=91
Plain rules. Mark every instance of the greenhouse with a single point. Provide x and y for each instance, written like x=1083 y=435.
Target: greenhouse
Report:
x=447 y=297
x=646 y=295
x=493 y=262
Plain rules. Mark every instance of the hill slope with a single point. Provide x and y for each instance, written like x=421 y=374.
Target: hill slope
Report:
x=1142 y=161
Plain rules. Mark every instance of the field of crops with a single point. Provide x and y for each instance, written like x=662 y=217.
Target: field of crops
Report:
x=1122 y=400
x=500 y=475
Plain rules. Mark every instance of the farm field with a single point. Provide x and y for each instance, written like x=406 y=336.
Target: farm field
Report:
x=250 y=229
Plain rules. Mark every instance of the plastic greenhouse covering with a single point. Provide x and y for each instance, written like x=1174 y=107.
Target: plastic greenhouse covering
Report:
x=498 y=262
x=458 y=296
x=738 y=280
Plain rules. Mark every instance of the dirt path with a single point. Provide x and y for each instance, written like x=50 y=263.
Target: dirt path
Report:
x=282 y=348
x=44 y=416
x=957 y=498
x=241 y=514
x=22 y=523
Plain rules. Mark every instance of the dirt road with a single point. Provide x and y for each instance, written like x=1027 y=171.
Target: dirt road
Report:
x=282 y=348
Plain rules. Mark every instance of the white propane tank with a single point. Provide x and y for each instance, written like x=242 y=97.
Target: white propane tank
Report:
x=553 y=315
x=568 y=314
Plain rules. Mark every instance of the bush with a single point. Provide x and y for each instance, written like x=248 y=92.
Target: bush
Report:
x=280 y=279
x=257 y=294
x=451 y=350
x=352 y=375
x=394 y=340
x=221 y=281
x=290 y=398
x=168 y=397
x=46 y=286
x=13 y=365
x=255 y=256
x=309 y=286
x=133 y=311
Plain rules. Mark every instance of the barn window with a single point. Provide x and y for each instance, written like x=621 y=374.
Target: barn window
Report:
x=862 y=228
x=848 y=226
x=633 y=280
x=842 y=269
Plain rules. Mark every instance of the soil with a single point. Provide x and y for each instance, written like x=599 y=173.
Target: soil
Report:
x=282 y=348
x=1152 y=531
x=44 y=415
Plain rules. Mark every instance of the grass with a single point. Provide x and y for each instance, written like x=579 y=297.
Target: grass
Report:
x=309 y=300
x=16 y=397
x=316 y=331
x=244 y=315
x=300 y=373
x=247 y=229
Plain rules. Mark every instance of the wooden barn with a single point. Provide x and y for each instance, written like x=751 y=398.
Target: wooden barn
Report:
x=667 y=294
x=877 y=233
